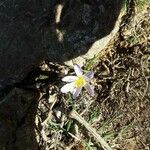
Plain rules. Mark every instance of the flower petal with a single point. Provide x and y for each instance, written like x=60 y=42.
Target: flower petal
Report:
x=89 y=74
x=76 y=92
x=67 y=88
x=78 y=70
x=90 y=89
x=69 y=78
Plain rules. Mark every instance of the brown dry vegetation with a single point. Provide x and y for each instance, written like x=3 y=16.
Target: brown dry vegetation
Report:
x=120 y=109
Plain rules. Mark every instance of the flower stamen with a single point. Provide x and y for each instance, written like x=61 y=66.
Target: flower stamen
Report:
x=80 y=82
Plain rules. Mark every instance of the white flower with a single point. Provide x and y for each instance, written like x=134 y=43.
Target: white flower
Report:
x=76 y=83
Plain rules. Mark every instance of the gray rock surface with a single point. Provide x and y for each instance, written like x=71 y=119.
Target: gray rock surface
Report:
x=34 y=30
x=16 y=121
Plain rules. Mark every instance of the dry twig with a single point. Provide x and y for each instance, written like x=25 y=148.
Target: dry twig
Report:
x=74 y=115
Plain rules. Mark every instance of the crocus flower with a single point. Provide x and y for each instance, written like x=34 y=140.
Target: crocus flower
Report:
x=76 y=83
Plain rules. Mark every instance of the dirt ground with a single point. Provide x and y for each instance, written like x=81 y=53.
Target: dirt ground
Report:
x=119 y=111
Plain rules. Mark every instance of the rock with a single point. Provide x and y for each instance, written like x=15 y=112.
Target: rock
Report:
x=16 y=121
x=32 y=31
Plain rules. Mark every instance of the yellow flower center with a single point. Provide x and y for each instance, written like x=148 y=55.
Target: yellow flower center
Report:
x=80 y=82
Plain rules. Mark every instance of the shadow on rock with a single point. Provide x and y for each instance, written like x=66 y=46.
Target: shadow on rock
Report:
x=17 y=119
x=20 y=110
x=32 y=31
